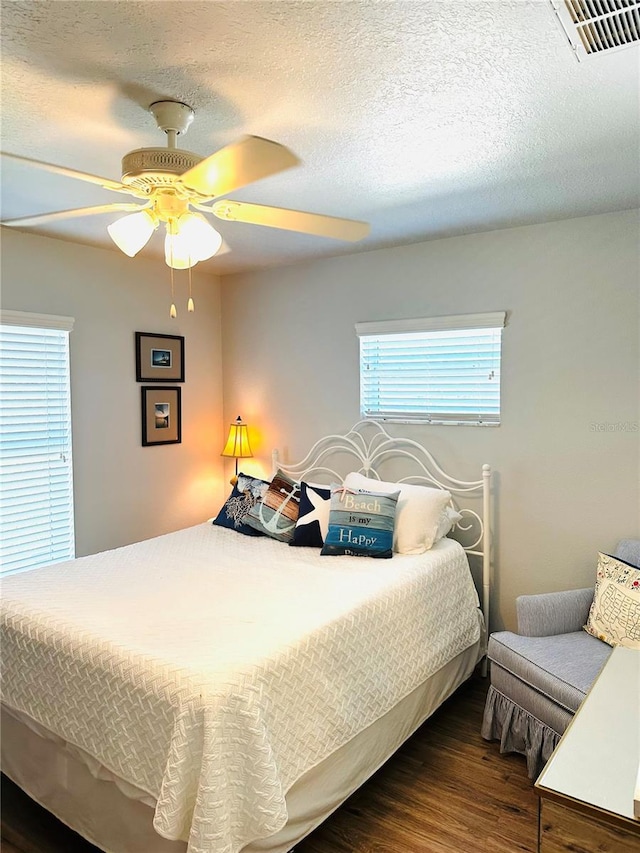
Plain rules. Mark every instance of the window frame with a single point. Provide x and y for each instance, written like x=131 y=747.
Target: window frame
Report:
x=368 y=331
x=57 y=507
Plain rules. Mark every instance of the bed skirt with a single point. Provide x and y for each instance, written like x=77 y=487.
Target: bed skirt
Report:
x=518 y=731
x=113 y=819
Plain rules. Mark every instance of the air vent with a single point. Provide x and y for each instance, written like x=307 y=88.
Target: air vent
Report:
x=599 y=26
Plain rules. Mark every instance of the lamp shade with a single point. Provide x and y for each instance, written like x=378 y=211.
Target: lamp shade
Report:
x=132 y=233
x=189 y=240
x=237 y=444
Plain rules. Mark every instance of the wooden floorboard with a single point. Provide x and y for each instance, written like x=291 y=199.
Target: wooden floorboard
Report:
x=445 y=791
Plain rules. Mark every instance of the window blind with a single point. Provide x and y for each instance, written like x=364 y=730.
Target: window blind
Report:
x=36 y=476
x=434 y=370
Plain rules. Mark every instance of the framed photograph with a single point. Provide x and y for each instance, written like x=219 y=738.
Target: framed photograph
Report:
x=159 y=358
x=161 y=415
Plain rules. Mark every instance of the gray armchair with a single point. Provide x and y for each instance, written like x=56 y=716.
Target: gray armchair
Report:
x=540 y=675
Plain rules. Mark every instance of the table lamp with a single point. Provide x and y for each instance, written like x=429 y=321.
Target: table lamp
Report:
x=237 y=445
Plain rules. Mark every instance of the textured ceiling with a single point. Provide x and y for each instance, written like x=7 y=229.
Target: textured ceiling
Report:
x=424 y=117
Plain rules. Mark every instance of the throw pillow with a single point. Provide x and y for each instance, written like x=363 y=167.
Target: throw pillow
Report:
x=419 y=511
x=360 y=523
x=276 y=514
x=244 y=495
x=448 y=518
x=614 y=617
x=313 y=518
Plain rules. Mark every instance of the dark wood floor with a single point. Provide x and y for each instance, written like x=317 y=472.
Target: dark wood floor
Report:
x=445 y=791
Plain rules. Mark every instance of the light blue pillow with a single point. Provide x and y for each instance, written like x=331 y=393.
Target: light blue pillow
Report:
x=361 y=523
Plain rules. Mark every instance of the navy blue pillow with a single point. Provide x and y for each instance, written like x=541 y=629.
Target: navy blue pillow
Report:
x=313 y=518
x=244 y=495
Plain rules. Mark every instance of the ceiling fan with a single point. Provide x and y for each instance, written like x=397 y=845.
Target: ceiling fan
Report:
x=172 y=183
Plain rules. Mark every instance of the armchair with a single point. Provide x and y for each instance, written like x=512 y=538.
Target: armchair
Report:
x=541 y=674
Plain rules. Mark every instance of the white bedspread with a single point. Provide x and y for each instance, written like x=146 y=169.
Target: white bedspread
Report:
x=212 y=670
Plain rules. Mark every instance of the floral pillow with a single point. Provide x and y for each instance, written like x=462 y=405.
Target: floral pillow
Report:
x=614 y=617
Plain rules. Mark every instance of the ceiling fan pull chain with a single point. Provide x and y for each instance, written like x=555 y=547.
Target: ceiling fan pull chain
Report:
x=190 y=306
x=172 y=311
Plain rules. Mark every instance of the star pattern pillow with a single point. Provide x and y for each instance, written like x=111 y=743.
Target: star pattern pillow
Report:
x=246 y=492
x=313 y=518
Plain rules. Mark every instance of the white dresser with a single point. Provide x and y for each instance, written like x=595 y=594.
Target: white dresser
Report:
x=587 y=787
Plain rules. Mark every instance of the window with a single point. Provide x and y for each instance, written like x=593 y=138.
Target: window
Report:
x=36 y=483
x=443 y=370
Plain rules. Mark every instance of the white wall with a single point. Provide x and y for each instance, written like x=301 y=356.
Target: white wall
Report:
x=567 y=477
x=125 y=492
x=564 y=486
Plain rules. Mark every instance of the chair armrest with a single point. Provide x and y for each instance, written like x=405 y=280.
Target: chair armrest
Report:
x=629 y=551
x=553 y=612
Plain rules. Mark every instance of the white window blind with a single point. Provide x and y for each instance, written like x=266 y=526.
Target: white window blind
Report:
x=434 y=370
x=36 y=477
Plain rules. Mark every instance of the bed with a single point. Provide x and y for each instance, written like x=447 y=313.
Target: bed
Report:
x=209 y=692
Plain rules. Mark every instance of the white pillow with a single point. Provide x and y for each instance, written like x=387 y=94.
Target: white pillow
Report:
x=418 y=513
x=449 y=517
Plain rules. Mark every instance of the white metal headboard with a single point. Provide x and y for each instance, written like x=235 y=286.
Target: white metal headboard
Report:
x=370 y=444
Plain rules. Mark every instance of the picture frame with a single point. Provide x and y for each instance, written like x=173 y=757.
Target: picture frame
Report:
x=159 y=358
x=161 y=415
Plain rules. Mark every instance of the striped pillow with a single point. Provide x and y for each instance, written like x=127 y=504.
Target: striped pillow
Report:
x=361 y=523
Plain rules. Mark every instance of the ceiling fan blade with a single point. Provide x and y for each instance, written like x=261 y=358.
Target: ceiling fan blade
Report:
x=291 y=220
x=39 y=218
x=107 y=183
x=237 y=165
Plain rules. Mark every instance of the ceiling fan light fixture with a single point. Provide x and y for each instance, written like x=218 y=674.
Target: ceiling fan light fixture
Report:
x=132 y=233
x=190 y=239
x=176 y=253
x=169 y=182
x=202 y=237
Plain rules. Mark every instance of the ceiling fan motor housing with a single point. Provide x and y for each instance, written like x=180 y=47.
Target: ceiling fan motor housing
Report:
x=150 y=168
